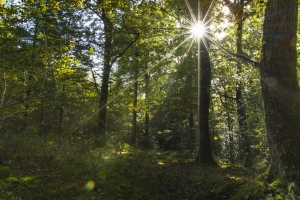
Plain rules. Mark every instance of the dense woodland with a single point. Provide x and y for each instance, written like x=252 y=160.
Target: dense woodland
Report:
x=119 y=99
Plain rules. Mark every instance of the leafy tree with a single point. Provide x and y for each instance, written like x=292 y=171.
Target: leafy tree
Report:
x=237 y=9
x=49 y=79
x=223 y=112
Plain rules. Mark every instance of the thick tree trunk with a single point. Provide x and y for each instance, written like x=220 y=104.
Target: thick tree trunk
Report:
x=204 y=74
x=205 y=152
x=105 y=78
x=279 y=84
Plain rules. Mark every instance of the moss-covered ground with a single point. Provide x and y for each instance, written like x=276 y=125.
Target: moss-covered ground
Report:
x=48 y=169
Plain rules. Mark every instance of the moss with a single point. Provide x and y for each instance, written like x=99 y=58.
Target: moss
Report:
x=217 y=185
x=251 y=190
x=280 y=182
x=264 y=176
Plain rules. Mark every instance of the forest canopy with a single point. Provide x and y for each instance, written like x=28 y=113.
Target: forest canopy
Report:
x=214 y=80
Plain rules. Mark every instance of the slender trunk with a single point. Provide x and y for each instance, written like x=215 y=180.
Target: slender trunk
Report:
x=108 y=26
x=135 y=93
x=280 y=85
x=61 y=111
x=42 y=115
x=192 y=138
x=231 y=142
x=147 y=124
x=146 y=97
x=4 y=90
x=30 y=77
x=244 y=145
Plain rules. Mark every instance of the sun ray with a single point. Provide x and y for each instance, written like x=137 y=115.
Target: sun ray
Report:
x=206 y=14
x=185 y=18
x=206 y=45
x=191 y=11
x=191 y=23
x=198 y=30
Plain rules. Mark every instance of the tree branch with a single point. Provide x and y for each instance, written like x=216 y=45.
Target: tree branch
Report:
x=256 y=64
x=95 y=82
x=129 y=45
x=14 y=51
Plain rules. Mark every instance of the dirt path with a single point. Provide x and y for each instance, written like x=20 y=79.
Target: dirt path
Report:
x=183 y=187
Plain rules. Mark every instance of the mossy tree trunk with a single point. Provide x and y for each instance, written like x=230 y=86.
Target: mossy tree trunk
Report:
x=279 y=84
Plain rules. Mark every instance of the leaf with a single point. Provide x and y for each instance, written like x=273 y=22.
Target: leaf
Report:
x=290 y=186
x=91 y=51
x=5 y=168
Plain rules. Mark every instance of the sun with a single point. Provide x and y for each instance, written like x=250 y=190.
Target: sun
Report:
x=198 y=30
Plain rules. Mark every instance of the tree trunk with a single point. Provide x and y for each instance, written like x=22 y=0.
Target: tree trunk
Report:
x=191 y=138
x=30 y=76
x=147 y=76
x=108 y=26
x=61 y=111
x=135 y=94
x=231 y=156
x=204 y=149
x=205 y=152
x=244 y=144
x=279 y=84
x=42 y=118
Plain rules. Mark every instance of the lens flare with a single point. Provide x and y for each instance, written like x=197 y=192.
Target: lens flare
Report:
x=90 y=185
x=198 y=30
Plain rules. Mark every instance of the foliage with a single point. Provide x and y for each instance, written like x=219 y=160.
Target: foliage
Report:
x=38 y=168
x=52 y=57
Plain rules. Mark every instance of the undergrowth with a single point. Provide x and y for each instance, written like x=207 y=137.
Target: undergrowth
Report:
x=32 y=167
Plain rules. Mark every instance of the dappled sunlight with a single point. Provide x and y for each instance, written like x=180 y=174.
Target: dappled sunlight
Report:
x=137 y=61
x=160 y=162
x=106 y=158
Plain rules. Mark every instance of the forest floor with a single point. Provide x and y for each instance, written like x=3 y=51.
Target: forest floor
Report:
x=32 y=170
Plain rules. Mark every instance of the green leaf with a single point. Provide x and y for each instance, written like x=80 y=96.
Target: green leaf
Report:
x=91 y=51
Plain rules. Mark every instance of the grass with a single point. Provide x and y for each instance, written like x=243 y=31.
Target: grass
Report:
x=45 y=168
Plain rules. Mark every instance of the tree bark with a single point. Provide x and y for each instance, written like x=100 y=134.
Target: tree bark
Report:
x=204 y=149
x=279 y=84
x=244 y=143
x=61 y=111
x=205 y=152
x=30 y=77
x=134 y=113
x=108 y=26
x=147 y=77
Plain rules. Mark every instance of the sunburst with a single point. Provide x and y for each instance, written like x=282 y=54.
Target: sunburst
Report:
x=198 y=30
